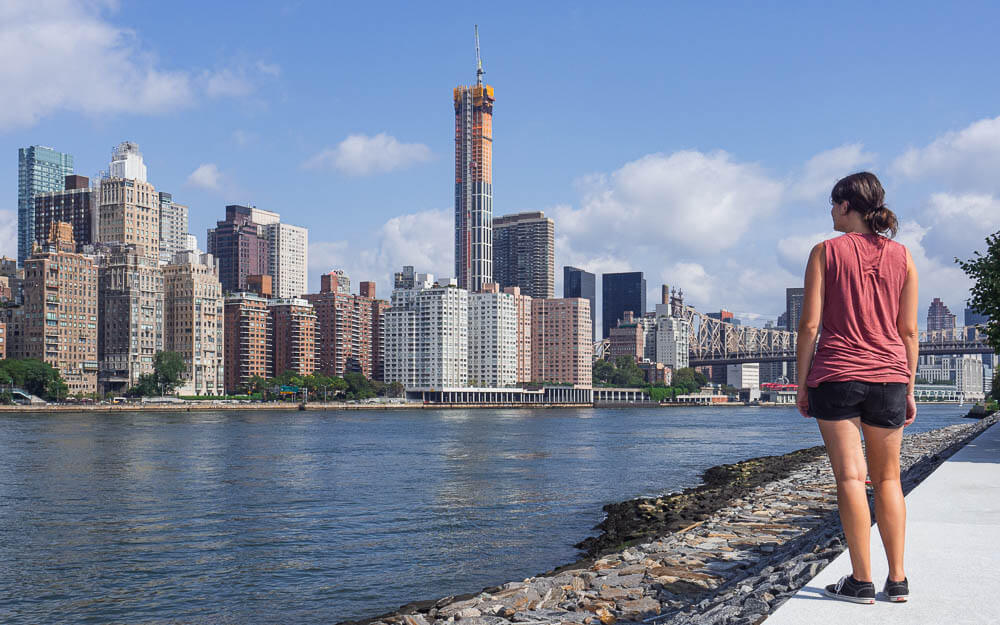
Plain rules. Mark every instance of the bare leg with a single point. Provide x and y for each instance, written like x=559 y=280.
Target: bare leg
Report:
x=882 y=446
x=843 y=446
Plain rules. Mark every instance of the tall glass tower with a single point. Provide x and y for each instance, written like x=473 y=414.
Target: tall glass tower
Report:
x=580 y=283
x=621 y=292
x=39 y=169
x=474 y=181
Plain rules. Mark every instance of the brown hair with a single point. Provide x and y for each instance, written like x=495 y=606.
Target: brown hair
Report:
x=864 y=194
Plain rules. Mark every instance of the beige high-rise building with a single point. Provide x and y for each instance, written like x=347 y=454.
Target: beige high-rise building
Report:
x=492 y=338
x=561 y=350
x=288 y=257
x=129 y=214
x=58 y=321
x=524 y=253
x=522 y=308
x=193 y=321
x=131 y=315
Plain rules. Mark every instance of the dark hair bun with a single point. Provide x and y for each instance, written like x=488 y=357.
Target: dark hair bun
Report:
x=864 y=194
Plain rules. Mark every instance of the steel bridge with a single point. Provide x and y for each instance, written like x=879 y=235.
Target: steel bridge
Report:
x=715 y=342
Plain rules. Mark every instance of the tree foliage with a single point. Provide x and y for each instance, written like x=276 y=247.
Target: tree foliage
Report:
x=625 y=372
x=145 y=386
x=323 y=387
x=984 y=269
x=168 y=371
x=168 y=367
x=37 y=377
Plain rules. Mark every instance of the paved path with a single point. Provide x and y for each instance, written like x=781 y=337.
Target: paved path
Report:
x=952 y=552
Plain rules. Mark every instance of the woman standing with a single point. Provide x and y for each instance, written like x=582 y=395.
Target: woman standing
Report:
x=861 y=289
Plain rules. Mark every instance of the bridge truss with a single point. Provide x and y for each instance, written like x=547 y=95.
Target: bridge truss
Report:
x=715 y=342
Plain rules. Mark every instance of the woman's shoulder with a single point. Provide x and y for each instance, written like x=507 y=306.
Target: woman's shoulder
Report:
x=897 y=247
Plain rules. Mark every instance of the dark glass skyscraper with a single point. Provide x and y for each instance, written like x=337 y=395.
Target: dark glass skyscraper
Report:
x=793 y=307
x=973 y=317
x=580 y=283
x=524 y=253
x=621 y=292
x=39 y=169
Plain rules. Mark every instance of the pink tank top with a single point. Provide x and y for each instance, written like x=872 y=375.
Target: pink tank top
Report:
x=859 y=340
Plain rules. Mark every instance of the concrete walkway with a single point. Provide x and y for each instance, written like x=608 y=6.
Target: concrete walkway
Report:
x=952 y=552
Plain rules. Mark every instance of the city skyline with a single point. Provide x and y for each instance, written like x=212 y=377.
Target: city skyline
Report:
x=945 y=198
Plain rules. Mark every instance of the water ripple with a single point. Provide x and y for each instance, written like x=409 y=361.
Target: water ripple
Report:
x=319 y=517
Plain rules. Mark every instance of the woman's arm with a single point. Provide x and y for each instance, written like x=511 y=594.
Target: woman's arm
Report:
x=812 y=314
x=906 y=324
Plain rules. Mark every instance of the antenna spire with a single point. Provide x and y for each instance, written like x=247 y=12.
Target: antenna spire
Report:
x=479 y=61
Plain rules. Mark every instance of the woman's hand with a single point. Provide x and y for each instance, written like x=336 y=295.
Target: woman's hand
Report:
x=802 y=400
x=911 y=410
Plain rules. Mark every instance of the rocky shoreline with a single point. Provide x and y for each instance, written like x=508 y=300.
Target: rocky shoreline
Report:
x=727 y=552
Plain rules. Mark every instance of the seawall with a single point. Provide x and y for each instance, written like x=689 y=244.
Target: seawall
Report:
x=727 y=552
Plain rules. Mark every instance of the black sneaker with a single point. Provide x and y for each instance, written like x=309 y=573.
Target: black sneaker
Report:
x=850 y=589
x=897 y=592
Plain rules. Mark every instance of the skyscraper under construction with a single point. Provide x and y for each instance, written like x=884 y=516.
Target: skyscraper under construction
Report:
x=474 y=181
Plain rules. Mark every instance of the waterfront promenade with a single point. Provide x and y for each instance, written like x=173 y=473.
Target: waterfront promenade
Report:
x=952 y=555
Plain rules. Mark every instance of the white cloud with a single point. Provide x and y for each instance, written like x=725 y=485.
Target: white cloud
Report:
x=8 y=233
x=70 y=57
x=361 y=155
x=423 y=239
x=959 y=223
x=691 y=278
x=793 y=251
x=685 y=199
x=968 y=158
x=225 y=82
x=207 y=176
x=938 y=278
x=270 y=69
x=243 y=138
x=824 y=169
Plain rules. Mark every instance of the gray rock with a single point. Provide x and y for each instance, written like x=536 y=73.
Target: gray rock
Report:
x=723 y=612
x=798 y=572
x=753 y=605
x=643 y=606
x=483 y=620
x=631 y=554
x=817 y=566
x=621 y=581
x=452 y=609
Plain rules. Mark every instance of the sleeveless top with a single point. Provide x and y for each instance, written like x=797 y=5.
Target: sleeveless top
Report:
x=858 y=339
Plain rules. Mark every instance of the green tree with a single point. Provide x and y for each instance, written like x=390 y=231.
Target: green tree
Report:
x=36 y=377
x=168 y=369
x=602 y=371
x=984 y=269
x=358 y=386
x=145 y=386
x=394 y=389
x=255 y=384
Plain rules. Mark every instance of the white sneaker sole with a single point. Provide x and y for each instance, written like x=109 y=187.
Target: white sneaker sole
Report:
x=862 y=600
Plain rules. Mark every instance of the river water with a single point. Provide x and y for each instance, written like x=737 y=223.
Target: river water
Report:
x=318 y=517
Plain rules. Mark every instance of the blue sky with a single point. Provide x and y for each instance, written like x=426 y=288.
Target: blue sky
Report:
x=695 y=143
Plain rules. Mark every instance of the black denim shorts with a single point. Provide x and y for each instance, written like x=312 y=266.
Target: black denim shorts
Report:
x=882 y=404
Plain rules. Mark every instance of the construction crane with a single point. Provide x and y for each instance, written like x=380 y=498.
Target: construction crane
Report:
x=479 y=61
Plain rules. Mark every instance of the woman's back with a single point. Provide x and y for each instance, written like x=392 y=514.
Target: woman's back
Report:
x=863 y=279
